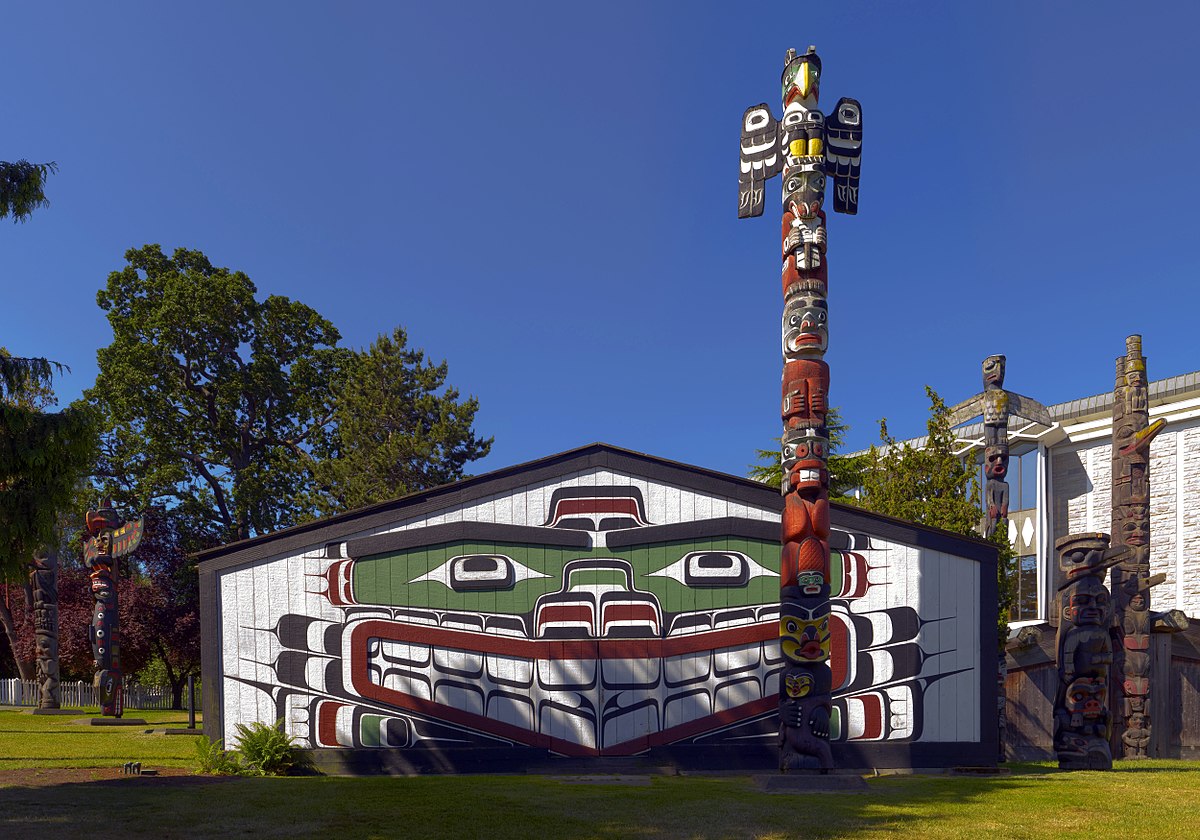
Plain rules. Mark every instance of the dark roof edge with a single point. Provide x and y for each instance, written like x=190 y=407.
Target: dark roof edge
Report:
x=596 y=455
x=446 y=495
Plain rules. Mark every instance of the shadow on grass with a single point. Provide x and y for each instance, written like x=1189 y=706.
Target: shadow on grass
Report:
x=528 y=806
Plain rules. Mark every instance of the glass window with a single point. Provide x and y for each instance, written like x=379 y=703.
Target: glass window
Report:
x=1025 y=600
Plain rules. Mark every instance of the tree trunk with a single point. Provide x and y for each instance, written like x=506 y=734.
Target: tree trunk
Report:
x=25 y=669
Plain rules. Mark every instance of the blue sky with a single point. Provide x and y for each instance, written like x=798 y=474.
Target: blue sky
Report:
x=545 y=196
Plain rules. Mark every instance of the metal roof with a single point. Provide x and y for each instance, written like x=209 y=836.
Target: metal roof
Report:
x=1161 y=391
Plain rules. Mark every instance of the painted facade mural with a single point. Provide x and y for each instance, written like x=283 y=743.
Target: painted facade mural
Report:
x=110 y=537
x=809 y=149
x=1131 y=580
x=600 y=614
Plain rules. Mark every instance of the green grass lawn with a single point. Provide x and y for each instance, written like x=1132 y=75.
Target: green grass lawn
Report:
x=1159 y=799
x=54 y=741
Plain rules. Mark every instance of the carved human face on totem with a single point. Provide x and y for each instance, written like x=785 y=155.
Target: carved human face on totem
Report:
x=805 y=455
x=993 y=372
x=804 y=633
x=800 y=682
x=797 y=685
x=1085 y=558
x=810 y=582
x=995 y=462
x=805 y=328
x=1136 y=529
x=1085 y=697
x=803 y=191
x=1087 y=603
x=104 y=544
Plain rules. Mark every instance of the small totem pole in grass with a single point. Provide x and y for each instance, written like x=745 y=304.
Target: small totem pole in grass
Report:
x=43 y=580
x=110 y=537
x=1082 y=721
x=808 y=148
x=1131 y=580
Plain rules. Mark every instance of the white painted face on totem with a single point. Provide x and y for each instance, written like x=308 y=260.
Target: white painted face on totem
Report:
x=805 y=328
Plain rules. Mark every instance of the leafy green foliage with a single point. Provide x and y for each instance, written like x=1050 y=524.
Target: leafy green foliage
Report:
x=395 y=433
x=933 y=486
x=212 y=398
x=267 y=750
x=845 y=471
x=241 y=416
x=43 y=456
x=214 y=759
x=22 y=187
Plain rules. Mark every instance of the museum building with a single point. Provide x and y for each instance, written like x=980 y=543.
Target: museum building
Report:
x=595 y=603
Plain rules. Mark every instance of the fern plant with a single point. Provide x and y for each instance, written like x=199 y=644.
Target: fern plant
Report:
x=267 y=750
x=213 y=758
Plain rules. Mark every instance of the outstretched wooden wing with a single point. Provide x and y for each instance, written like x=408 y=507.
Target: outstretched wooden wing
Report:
x=843 y=153
x=965 y=410
x=1028 y=408
x=761 y=158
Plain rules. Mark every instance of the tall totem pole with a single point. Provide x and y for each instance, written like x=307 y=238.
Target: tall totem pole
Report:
x=807 y=148
x=1131 y=580
x=110 y=537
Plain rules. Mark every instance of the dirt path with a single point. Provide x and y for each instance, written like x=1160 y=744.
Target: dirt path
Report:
x=47 y=776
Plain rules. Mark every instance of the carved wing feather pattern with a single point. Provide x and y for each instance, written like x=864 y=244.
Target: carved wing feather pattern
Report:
x=761 y=158
x=965 y=410
x=843 y=153
x=1028 y=408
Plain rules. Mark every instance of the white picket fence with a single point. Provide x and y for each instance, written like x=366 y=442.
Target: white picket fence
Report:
x=81 y=695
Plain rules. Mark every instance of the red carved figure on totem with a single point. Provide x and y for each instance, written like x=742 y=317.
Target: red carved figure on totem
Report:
x=813 y=152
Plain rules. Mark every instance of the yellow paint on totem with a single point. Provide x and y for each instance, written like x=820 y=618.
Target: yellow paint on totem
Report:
x=814 y=146
x=797 y=637
x=797 y=148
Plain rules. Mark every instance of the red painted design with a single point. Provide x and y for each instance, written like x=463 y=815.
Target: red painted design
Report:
x=327 y=724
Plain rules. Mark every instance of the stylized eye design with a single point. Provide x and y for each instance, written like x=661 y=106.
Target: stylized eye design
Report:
x=710 y=569
x=757 y=119
x=480 y=573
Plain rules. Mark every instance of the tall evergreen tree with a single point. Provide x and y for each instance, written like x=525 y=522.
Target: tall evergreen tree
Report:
x=931 y=485
x=398 y=427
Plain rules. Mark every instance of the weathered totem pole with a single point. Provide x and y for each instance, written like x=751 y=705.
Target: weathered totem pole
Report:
x=110 y=537
x=43 y=580
x=1082 y=721
x=1131 y=580
x=807 y=148
x=996 y=405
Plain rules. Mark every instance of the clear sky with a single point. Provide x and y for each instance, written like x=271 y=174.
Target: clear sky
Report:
x=545 y=195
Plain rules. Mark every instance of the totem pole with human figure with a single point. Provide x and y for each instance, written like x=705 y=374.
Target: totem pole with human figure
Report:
x=1131 y=580
x=109 y=538
x=996 y=405
x=43 y=582
x=811 y=150
x=1082 y=718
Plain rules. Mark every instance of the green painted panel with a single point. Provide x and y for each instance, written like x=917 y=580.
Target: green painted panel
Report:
x=392 y=579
